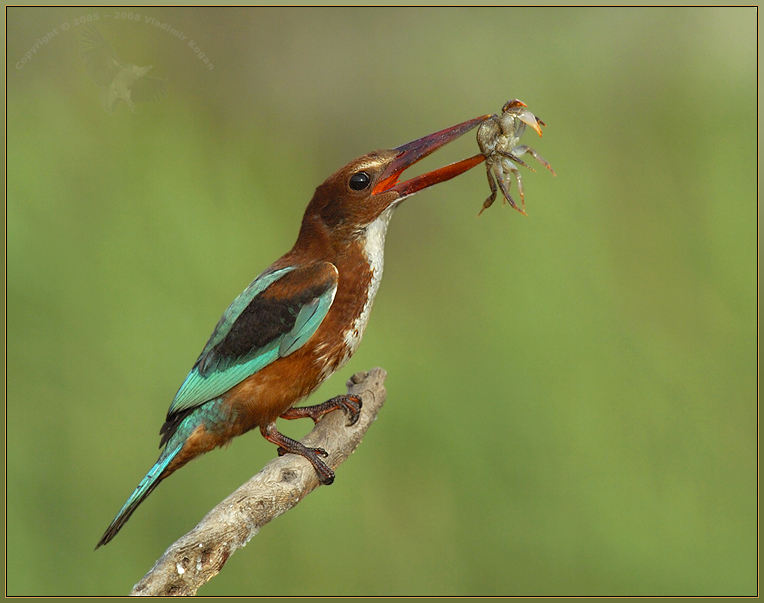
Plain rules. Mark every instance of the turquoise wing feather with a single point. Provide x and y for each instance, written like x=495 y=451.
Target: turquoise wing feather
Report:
x=274 y=317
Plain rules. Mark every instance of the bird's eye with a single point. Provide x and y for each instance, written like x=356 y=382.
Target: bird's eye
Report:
x=359 y=181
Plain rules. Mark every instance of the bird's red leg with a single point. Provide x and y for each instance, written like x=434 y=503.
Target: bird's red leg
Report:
x=347 y=402
x=285 y=444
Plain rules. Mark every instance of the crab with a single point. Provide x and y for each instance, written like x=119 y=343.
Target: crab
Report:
x=497 y=138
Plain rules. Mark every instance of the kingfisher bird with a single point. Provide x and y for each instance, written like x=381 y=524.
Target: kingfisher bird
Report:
x=299 y=321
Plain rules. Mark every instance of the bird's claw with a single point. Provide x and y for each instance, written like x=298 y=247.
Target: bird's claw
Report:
x=350 y=403
x=318 y=451
x=323 y=472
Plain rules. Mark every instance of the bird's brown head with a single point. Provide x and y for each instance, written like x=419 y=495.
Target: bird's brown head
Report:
x=356 y=195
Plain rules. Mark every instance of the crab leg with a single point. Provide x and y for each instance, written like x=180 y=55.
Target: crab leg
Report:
x=514 y=157
x=505 y=189
x=492 y=197
x=523 y=149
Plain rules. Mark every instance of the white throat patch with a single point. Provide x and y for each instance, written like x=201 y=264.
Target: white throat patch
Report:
x=374 y=250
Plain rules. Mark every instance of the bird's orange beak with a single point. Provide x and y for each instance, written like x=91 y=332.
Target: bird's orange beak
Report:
x=410 y=153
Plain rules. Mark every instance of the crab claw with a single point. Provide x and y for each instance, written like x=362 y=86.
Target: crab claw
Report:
x=529 y=118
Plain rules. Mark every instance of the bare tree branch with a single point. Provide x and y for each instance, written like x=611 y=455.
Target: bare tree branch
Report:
x=285 y=481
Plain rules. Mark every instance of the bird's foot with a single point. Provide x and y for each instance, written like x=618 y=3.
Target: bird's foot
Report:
x=350 y=403
x=288 y=445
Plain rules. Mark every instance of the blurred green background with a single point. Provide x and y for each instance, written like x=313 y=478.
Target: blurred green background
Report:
x=571 y=396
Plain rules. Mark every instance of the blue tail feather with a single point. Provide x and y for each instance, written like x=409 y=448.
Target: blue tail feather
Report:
x=146 y=487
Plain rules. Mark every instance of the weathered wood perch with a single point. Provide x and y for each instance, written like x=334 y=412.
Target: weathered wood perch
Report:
x=283 y=482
